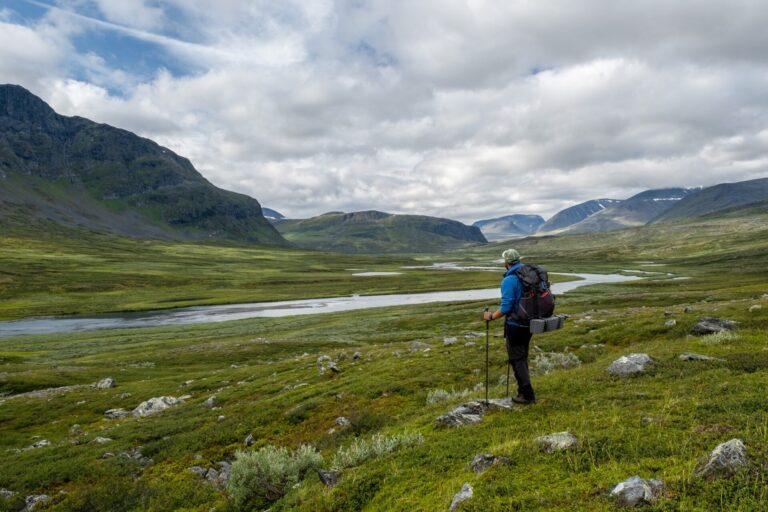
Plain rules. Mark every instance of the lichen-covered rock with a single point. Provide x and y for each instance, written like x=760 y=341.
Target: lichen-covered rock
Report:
x=249 y=440
x=726 y=459
x=557 y=442
x=356 y=356
x=449 y=340
x=198 y=471
x=465 y=414
x=343 y=422
x=101 y=440
x=33 y=500
x=710 y=325
x=113 y=414
x=6 y=494
x=483 y=461
x=460 y=497
x=632 y=364
x=40 y=444
x=328 y=477
x=106 y=383
x=670 y=323
x=210 y=401
x=635 y=491
x=418 y=346
x=690 y=356
x=155 y=405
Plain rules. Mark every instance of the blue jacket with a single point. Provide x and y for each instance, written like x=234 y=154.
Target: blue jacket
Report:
x=511 y=290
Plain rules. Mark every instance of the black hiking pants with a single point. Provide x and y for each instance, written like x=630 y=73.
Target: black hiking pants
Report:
x=518 y=342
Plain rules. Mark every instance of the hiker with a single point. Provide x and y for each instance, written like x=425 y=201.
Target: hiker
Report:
x=518 y=337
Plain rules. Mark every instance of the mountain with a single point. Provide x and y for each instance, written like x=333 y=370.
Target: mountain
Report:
x=271 y=214
x=638 y=210
x=509 y=226
x=725 y=196
x=75 y=172
x=575 y=214
x=374 y=232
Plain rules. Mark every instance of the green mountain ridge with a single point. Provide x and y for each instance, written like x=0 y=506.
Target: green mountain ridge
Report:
x=374 y=231
x=75 y=172
x=718 y=198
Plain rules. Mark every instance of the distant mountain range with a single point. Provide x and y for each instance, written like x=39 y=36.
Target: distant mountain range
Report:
x=575 y=214
x=378 y=232
x=509 y=226
x=78 y=173
x=717 y=198
x=271 y=214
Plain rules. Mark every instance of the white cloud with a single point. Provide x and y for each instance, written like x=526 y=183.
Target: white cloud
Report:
x=459 y=108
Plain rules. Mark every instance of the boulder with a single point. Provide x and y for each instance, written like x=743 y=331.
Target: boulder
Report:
x=465 y=414
x=328 y=477
x=710 y=325
x=632 y=364
x=450 y=341
x=155 y=405
x=483 y=461
x=557 y=442
x=113 y=414
x=690 y=356
x=670 y=323
x=726 y=459
x=107 y=383
x=635 y=491
x=460 y=497
x=33 y=500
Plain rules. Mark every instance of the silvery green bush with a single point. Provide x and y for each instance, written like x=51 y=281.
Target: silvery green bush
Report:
x=363 y=449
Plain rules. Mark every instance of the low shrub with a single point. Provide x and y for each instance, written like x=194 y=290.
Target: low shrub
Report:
x=362 y=450
x=440 y=395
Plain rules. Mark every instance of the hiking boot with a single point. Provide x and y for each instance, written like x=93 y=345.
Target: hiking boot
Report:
x=522 y=400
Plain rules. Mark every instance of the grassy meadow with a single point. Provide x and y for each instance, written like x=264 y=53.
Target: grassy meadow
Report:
x=266 y=379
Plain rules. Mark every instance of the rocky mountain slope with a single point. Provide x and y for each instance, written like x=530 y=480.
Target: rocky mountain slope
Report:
x=72 y=171
x=509 y=226
x=575 y=214
x=373 y=231
x=717 y=198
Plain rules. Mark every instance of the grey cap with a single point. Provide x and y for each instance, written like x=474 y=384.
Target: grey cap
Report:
x=511 y=256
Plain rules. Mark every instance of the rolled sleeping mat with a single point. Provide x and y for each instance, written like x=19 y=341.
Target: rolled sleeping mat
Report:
x=538 y=326
x=552 y=323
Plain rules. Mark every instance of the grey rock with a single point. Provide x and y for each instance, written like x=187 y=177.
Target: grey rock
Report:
x=473 y=334
x=107 y=383
x=651 y=420
x=75 y=429
x=356 y=356
x=323 y=359
x=107 y=455
x=250 y=440
x=460 y=497
x=632 y=364
x=113 y=414
x=135 y=454
x=483 y=461
x=33 y=500
x=690 y=356
x=470 y=344
x=101 y=440
x=417 y=346
x=201 y=472
x=212 y=475
x=343 y=422
x=332 y=366
x=397 y=353
x=155 y=405
x=756 y=307
x=40 y=444
x=710 y=325
x=450 y=341
x=725 y=459
x=6 y=494
x=688 y=309
x=210 y=401
x=668 y=313
x=465 y=414
x=221 y=418
x=635 y=491
x=670 y=323
x=328 y=477
x=557 y=442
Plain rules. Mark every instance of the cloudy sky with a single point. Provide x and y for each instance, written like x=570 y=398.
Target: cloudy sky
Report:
x=458 y=108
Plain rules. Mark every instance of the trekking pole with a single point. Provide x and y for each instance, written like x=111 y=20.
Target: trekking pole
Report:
x=508 y=365
x=487 y=336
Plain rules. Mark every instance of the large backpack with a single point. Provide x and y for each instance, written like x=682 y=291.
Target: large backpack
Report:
x=536 y=300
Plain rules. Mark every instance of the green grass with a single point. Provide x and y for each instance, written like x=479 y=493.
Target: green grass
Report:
x=253 y=365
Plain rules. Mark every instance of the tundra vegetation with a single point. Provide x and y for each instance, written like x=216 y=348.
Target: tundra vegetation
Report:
x=268 y=387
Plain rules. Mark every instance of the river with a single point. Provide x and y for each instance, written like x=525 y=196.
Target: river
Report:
x=203 y=314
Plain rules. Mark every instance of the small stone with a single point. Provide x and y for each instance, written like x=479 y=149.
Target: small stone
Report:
x=417 y=346
x=221 y=418
x=710 y=325
x=6 y=494
x=343 y=422
x=198 y=457
x=186 y=383
x=250 y=440
x=470 y=344
x=32 y=501
x=322 y=360
x=651 y=420
x=75 y=430
x=483 y=461
x=726 y=459
x=463 y=495
x=356 y=356
x=198 y=471
x=635 y=491
x=668 y=313
x=690 y=356
x=688 y=309
x=113 y=414
x=40 y=444
x=557 y=442
x=397 y=353
x=332 y=366
x=101 y=440
x=754 y=308
x=632 y=364
x=210 y=401
x=670 y=323
x=328 y=477
x=107 y=383
x=107 y=455
x=155 y=405
x=212 y=475
x=450 y=341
